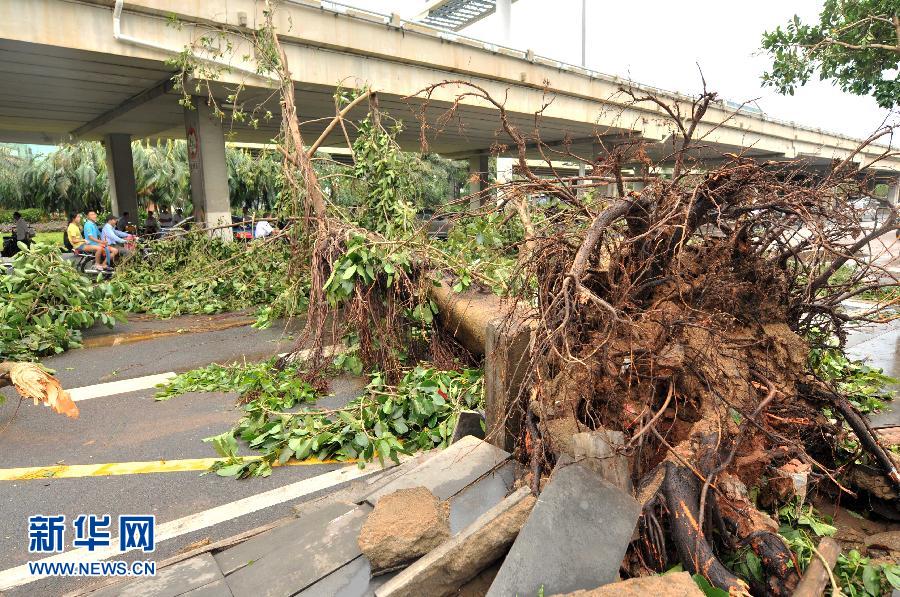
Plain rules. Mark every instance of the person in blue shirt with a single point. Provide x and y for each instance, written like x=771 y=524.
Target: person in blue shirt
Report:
x=115 y=239
x=93 y=237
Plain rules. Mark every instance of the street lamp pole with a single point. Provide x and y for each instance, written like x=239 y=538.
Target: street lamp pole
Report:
x=583 y=32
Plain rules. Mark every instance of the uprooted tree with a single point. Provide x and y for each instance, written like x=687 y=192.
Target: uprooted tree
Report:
x=682 y=314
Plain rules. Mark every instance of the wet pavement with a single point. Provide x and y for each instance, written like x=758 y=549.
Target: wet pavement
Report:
x=134 y=427
x=879 y=346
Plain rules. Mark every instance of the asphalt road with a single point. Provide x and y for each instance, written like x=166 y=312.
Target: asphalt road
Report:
x=134 y=427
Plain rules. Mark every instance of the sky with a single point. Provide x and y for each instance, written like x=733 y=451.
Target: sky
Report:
x=661 y=43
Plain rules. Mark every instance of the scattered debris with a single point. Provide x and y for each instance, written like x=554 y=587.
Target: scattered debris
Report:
x=444 y=570
x=574 y=539
x=787 y=482
x=673 y=584
x=404 y=526
x=33 y=381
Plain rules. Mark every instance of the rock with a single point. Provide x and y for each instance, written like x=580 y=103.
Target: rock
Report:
x=678 y=584
x=404 y=526
x=598 y=451
x=574 y=539
x=888 y=541
x=459 y=560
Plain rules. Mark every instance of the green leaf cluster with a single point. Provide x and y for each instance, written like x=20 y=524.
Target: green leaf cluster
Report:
x=855 y=43
x=198 y=274
x=260 y=381
x=419 y=413
x=364 y=263
x=390 y=198
x=801 y=526
x=485 y=246
x=45 y=303
x=867 y=388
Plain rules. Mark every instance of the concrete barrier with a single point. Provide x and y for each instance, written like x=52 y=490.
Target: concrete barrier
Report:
x=484 y=325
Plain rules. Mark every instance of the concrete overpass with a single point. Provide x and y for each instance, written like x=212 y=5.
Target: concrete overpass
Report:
x=99 y=70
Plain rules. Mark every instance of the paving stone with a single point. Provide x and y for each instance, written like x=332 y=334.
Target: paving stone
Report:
x=481 y=496
x=469 y=422
x=171 y=581
x=316 y=551
x=574 y=539
x=280 y=538
x=218 y=588
x=351 y=580
x=447 y=472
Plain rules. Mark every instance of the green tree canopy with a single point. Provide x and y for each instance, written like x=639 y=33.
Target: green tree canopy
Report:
x=856 y=43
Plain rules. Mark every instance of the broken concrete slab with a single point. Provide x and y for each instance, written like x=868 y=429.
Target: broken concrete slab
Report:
x=448 y=471
x=279 y=539
x=218 y=588
x=318 y=550
x=404 y=526
x=479 y=497
x=598 y=450
x=354 y=579
x=674 y=584
x=574 y=539
x=457 y=561
x=469 y=422
x=357 y=490
x=506 y=346
x=171 y=581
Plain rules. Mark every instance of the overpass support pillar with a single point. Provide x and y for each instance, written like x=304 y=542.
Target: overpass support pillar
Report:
x=893 y=193
x=479 y=168
x=120 y=173
x=209 y=171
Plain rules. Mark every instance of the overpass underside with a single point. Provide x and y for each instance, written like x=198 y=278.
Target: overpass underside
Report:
x=100 y=70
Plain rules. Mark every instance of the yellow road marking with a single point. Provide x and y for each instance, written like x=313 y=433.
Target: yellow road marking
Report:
x=69 y=471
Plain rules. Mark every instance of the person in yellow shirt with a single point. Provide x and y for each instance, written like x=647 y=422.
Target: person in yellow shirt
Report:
x=79 y=245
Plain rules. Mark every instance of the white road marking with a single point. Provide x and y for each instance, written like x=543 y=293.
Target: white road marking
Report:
x=146 y=382
x=120 y=387
x=20 y=575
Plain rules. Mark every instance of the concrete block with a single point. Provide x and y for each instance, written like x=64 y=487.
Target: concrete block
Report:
x=218 y=588
x=448 y=471
x=597 y=450
x=351 y=580
x=574 y=539
x=443 y=570
x=479 y=497
x=171 y=581
x=469 y=422
x=318 y=549
x=279 y=538
x=505 y=364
